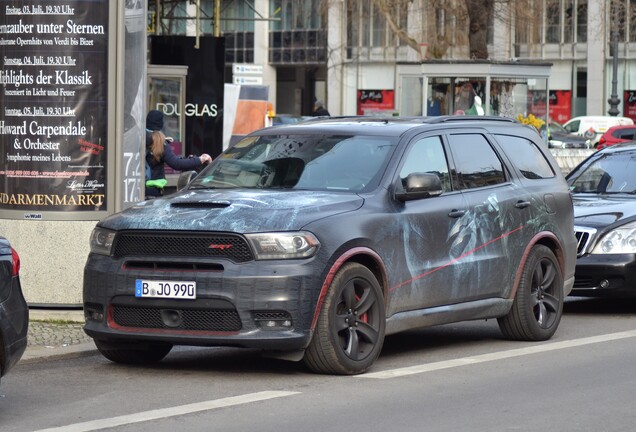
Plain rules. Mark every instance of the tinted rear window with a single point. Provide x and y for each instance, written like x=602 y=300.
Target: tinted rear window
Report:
x=526 y=156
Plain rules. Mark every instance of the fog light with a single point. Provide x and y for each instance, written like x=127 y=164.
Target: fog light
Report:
x=94 y=316
x=93 y=312
x=273 y=319
x=604 y=283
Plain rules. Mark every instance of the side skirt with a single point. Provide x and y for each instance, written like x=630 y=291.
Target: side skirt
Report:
x=480 y=309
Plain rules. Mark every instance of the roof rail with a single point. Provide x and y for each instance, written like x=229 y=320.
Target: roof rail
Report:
x=422 y=119
x=460 y=118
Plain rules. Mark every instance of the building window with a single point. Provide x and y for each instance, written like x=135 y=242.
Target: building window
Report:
x=367 y=27
x=565 y=21
x=296 y=36
x=237 y=26
x=553 y=21
x=581 y=21
x=236 y=16
x=296 y=14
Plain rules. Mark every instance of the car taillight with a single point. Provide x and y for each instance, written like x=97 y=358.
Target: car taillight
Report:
x=15 y=258
x=602 y=140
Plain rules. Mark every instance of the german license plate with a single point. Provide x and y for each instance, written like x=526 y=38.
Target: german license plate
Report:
x=165 y=289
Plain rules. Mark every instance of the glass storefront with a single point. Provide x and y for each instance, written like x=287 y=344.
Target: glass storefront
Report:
x=513 y=90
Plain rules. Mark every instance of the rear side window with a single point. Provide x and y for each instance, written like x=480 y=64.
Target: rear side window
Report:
x=526 y=156
x=476 y=162
x=626 y=134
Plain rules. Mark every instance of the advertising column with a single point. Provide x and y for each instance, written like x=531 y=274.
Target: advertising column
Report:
x=53 y=106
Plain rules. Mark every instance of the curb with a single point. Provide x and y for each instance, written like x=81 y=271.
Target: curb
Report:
x=76 y=316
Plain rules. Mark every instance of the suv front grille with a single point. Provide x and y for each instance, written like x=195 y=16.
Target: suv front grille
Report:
x=182 y=244
x=216 y=320
x=584 y=236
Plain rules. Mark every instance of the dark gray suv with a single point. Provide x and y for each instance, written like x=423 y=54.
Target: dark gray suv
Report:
x=314 y=241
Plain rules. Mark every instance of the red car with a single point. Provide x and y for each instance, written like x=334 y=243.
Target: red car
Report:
x=615 y=135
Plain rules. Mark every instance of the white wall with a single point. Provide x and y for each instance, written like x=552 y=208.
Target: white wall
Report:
x=52 y=257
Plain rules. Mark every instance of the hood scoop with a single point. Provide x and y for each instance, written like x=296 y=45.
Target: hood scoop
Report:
x=200 y=204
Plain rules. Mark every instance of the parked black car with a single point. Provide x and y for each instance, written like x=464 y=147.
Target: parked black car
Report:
x=316 y=240
x=604 y=190
x=560 y=138
x=14 y=313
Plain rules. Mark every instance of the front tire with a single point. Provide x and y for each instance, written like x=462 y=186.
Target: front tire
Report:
x=133 y=353
x=538 y=304
x=349 y=333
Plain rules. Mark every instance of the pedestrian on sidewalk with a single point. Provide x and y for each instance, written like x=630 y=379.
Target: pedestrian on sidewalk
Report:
x=159 y=153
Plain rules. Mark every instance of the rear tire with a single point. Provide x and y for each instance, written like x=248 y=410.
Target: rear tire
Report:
x=136 y=353
x=349 y=333
x=538 y=304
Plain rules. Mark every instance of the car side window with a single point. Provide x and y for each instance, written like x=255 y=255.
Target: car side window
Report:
x=627 y=134
x=573 y=127
x=427 y=155
x=476 y=162
x=526 y=156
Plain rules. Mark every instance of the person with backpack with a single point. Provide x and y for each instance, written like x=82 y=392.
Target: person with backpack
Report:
x=159 y=152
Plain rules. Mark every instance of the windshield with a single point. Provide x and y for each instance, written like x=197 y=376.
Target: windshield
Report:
x=612 y=173
x=555 y=127
x=313 y=162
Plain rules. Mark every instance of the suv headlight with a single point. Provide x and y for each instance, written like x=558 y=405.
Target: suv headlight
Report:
x=617 y=241
x=102 y=241
x=283 y=245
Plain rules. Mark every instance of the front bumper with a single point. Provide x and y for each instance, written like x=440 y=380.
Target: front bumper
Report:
x=605 y=275
x=259 y=304
x=14 y=325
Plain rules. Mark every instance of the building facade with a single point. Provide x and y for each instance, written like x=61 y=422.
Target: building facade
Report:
x=349 y=52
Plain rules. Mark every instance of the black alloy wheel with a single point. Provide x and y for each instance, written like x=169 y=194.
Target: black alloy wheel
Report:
x=350 y=331
x=538 y=304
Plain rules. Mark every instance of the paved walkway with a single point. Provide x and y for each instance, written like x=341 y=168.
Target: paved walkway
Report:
x=56 y=334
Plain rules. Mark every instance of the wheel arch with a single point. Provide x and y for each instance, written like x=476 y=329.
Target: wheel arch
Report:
x=362 y=255
x=545 y=238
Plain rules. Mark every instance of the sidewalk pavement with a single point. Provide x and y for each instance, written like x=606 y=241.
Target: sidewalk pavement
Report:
x=55 y=334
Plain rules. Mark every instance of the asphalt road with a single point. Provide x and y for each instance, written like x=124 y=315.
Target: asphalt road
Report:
x=460 y=377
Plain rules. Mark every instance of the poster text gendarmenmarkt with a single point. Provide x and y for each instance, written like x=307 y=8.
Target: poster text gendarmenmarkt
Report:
x=53 y=99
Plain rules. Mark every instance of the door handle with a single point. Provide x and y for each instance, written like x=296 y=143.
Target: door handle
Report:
x=457 y=213
x=522 y=204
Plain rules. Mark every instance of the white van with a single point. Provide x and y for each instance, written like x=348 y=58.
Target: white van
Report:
x=592 y=127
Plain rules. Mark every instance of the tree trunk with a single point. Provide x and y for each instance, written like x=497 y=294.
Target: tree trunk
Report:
x=479 y=14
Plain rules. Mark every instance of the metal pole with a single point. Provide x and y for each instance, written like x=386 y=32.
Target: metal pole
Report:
x=614 y=100
x=197 y=44
x=217 y=18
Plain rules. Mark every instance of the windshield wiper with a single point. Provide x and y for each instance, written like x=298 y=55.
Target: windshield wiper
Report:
x=201 y=187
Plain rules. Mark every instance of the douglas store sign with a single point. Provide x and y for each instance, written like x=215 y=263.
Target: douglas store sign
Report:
x=53 y=120
x=189 y=110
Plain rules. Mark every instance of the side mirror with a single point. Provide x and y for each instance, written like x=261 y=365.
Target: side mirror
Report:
x=185 y=178
x=420 y=185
